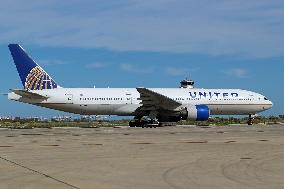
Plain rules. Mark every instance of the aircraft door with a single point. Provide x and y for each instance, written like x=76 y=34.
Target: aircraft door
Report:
x=69 y=98
x=128 y=98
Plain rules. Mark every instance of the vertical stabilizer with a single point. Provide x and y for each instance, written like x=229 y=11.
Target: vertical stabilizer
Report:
x=33 y=77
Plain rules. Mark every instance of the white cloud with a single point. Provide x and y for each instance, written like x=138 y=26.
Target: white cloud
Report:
x=176 y=71
x=136 y=69
x=51 y=62
x=251 y=28
x=237 y=72
x=97 y=65
x=172 y=71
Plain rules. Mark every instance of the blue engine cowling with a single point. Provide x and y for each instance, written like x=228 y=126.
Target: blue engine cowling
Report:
x=203 y=112
x=196 y=112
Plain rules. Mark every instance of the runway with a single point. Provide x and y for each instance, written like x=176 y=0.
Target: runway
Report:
x=235 y=157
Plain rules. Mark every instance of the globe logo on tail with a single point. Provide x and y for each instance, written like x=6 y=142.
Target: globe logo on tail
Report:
x=38 y=79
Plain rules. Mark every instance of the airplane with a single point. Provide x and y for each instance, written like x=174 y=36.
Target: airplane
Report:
x=158 y=105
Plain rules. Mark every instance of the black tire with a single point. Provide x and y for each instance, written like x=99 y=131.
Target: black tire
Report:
x=131 y=124
x=250 y=122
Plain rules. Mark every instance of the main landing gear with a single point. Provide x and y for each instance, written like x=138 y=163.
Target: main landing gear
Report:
x=250 y=120
x=143 y=122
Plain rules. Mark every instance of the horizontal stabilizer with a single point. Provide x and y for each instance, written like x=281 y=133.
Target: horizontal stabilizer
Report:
x=28 y=94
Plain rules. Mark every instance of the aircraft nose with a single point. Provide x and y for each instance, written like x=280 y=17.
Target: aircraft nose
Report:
x=271 y=103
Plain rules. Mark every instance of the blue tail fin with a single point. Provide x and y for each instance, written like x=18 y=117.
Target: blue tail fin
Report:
x=32 y=75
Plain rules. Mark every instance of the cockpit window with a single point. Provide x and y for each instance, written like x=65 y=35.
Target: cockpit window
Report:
x=265 y=98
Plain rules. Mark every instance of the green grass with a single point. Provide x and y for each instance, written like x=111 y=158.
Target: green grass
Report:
x=27 y=124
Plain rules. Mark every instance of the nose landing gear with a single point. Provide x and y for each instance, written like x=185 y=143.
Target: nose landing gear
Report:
x=251 y=119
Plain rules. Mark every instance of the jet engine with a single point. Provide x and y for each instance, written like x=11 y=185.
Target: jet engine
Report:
x=195 y=112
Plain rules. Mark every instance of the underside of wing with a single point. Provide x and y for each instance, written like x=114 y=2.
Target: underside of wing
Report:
x=152 y=100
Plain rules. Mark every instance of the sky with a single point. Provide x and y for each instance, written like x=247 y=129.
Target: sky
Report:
x=150 y=43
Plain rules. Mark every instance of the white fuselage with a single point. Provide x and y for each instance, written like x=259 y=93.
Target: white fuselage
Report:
x=125 y=101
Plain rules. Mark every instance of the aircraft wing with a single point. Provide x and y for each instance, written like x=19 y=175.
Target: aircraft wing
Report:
x=152 y=100
x=28 y=94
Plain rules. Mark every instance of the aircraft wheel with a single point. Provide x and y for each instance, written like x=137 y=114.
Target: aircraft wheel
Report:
x=250 y=121
x=132 y=124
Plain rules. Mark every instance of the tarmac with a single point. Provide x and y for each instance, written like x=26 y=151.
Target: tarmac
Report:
x=235 y=157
